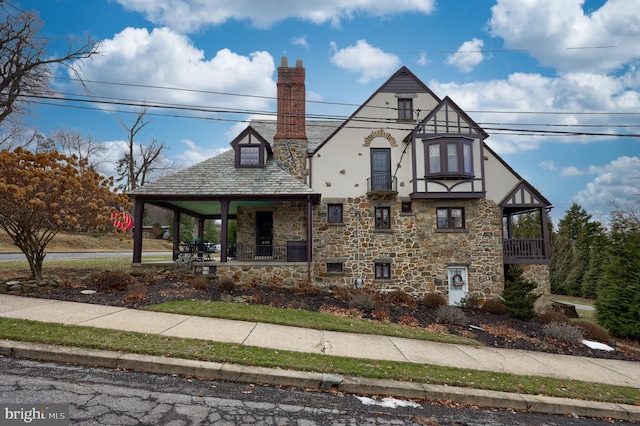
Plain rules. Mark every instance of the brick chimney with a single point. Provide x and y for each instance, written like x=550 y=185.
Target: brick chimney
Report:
x=290 y=141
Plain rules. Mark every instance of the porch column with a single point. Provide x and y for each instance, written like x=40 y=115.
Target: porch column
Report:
x=138 y=211
x=176 y=234
x=200 y=231
x=545 y=232
x=224 y=229
x=309 y=236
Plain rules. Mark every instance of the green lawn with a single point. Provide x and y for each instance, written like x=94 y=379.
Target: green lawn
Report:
x=140 y=343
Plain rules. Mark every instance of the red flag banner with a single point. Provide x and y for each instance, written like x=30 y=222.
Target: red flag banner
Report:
x=122 y=220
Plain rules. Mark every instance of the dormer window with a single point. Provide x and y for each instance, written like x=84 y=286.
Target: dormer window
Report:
x=449 y=158
x=250 y=156
x=251 y=149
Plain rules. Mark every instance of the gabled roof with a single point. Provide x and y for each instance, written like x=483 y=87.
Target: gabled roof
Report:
x=401 y=81
x=447 y=102
x=218 y=177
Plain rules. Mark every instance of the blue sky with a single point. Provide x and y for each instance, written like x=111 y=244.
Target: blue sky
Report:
x=513 y=66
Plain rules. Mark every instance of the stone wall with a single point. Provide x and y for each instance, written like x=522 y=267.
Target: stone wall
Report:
x=541 y=275
x=418 y=252
x=284 y=274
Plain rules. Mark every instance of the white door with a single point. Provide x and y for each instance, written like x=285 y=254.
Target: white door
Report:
x=458 y=284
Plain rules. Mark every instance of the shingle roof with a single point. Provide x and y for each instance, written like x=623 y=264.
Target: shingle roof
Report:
x=317 y=131
x=218 y=176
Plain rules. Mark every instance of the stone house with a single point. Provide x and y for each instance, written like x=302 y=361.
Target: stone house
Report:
x=402 y=195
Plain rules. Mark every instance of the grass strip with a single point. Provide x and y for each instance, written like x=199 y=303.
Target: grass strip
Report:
x=147 y=344
x=300 y=318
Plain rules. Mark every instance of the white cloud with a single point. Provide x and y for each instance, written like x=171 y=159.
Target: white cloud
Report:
x=548 y=165
x=562 y=35
x=300 y=41
x=193 y=15
x=467 y=56
x=168 y=61
x=615 y=186
x=193 y=153
x=368 y=61
x=558 y=102
x=571 y=171
x=423 y=59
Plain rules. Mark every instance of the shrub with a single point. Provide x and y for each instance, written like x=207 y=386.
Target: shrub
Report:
x=399 y=297
x=111 y=281
x=471 y=301
x=201 y=282
x=493 y=306
x=517 y=295
x=433 y=300
x=226 y=285
x=553 y=316
x=592 y=331
x=562 y=331
x=362 y=301
x=451 y=315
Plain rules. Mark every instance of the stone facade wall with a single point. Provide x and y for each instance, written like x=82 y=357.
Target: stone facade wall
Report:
x=289 y=223
x=541 y=275
x=418 y=252
x=284 y=274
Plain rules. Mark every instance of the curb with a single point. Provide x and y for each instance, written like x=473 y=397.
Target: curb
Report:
x=352 y=385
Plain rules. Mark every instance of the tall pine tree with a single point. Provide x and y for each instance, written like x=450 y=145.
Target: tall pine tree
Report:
x=618 y=304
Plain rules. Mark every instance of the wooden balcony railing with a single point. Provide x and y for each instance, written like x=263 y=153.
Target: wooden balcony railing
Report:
x=524 y=250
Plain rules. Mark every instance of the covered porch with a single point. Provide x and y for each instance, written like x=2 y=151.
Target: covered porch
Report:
x=258 y=240
x=530 y=245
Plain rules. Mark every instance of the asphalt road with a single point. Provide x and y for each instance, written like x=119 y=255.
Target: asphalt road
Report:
x=98 y=396
x=5 y=257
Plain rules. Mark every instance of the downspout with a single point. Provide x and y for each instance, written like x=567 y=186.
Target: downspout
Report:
x=359 y=281
x=309 y=237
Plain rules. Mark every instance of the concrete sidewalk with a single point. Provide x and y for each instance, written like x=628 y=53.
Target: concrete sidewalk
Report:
x=528 y=363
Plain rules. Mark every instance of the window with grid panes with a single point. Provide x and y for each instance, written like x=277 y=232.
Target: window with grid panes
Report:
x=382 y=271
x=334 y=213
x=383 y=218
x=450 y=218
x=449 y=157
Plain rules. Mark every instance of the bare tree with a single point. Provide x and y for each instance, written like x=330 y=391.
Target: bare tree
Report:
x=140 y=162
x=15 y=135
x=72 y=143
x=25 y=65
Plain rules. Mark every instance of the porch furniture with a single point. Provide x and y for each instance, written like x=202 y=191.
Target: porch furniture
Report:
x=195 y=251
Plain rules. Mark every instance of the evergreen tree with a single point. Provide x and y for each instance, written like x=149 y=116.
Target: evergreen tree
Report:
x=618 y=304
x=518 y=296
x=592 y=279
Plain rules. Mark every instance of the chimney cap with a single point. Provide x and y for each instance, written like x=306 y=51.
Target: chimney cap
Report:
x=284 y=63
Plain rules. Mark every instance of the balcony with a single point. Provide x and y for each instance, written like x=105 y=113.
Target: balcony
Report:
x=382 y=185
x=529 y=250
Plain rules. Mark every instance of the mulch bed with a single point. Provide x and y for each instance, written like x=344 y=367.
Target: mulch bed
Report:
x=499 y=331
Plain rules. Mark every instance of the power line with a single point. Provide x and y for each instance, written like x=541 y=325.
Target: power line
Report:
x=368 y=123
x=273 y=98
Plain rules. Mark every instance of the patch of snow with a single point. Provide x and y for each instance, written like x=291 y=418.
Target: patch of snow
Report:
x=597 y=345
x=387 y=402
